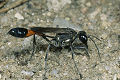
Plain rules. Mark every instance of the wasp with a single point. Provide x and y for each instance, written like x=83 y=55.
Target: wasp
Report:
x=63 y=37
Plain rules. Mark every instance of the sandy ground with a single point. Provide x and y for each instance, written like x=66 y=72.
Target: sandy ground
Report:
x=100 y=18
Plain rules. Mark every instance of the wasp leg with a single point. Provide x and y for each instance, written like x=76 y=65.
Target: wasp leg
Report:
x=87 y=54
x=34 y=48
x=75 y=63
x=44 y=75
x=96 y=47
x=45 y=37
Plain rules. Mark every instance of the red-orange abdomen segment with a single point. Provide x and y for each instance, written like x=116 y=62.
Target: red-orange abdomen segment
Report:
x=30 y=33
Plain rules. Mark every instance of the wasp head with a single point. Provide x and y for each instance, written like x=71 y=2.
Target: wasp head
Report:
x=83 y=37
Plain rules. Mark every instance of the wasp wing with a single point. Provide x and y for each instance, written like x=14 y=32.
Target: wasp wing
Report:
x=52 y=30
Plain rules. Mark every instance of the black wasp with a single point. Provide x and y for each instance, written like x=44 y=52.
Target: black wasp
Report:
x=63 y=37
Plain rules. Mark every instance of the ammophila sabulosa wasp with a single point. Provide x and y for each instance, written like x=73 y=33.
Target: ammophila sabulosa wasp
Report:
x=64 y=37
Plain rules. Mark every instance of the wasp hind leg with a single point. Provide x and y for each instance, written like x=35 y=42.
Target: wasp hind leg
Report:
x=33 y=50
x=44 y=75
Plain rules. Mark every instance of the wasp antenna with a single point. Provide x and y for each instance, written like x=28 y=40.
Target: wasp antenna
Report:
x=94 y=37
x=96 y=47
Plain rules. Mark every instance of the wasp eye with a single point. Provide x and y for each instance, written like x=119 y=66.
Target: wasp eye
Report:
x=18 y=32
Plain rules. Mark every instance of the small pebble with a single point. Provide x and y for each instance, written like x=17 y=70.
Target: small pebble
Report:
x=94 y=13
x=84 y=10
x=0 y=76
x=109 y=44
x=2 y=47
x=103 y=17
x=9 y=43
x=49 y=14
x=88 y=4
x=115 y=77
x=19 y=16
x=4 y=19
x=67 y=18
x=30 y=73
x=65 y=74
x=33 y=14
x=55 y=72
x=104 y=36
x=41 y=52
